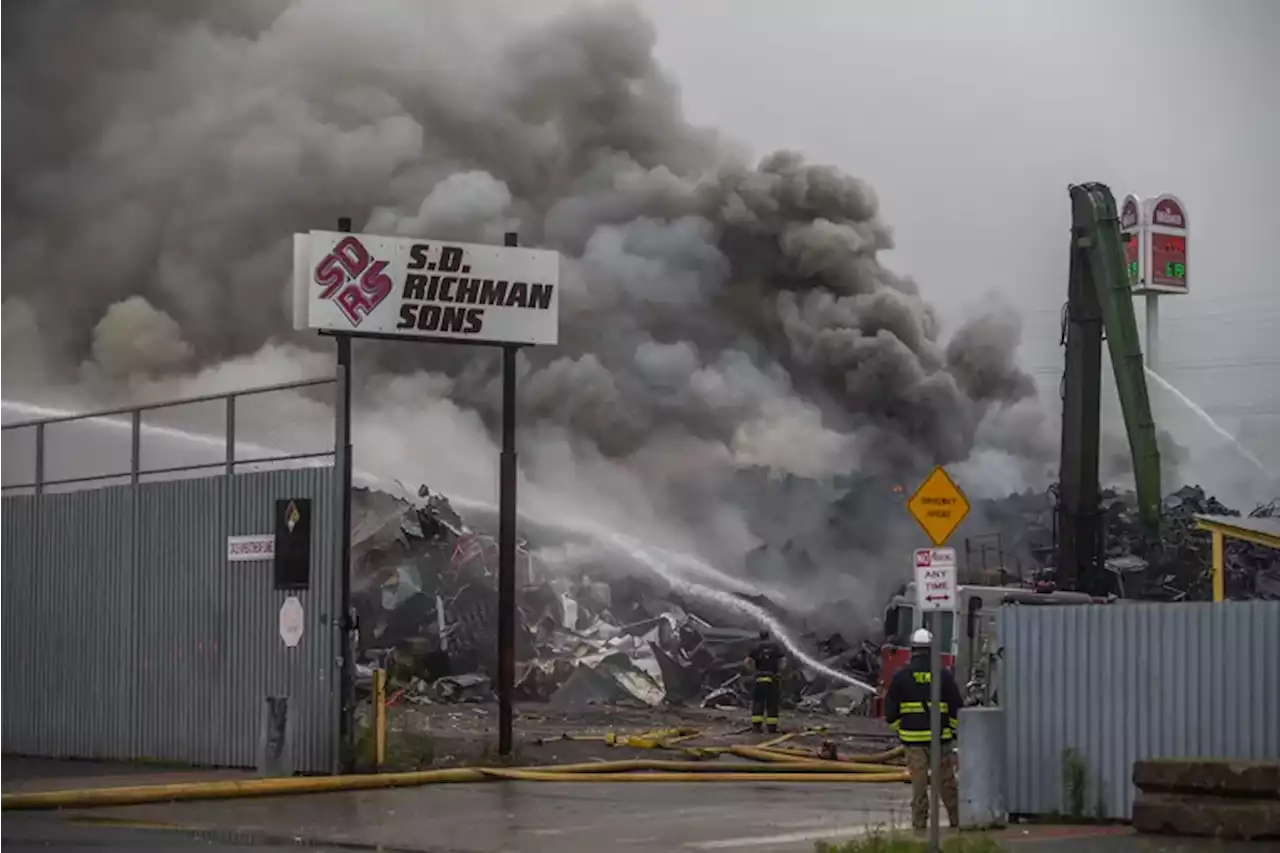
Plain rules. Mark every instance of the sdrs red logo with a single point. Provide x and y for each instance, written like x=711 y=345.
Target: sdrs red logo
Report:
x=353 y=279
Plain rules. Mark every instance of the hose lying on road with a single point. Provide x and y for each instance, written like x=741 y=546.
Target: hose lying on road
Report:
x=677 y=739
x=779 y=768
x=779 y=760
x=723 y=776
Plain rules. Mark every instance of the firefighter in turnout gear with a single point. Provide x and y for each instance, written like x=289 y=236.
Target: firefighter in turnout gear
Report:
x=765 y=661
x=906 y=710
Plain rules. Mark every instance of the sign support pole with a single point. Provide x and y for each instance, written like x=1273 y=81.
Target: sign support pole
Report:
x=935 y=729
x=1153 y=329
x=345 y=621
x=507 y=543
x=1156 y=258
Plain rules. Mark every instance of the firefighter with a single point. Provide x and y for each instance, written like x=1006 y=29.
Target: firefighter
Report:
x=765 y=662
x=906 y=710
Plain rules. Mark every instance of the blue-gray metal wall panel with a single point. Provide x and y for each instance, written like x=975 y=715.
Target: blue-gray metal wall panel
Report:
x=308 y=673
x=21 y=674
x=1122 y=682
x=65 y=640
x=150 y=644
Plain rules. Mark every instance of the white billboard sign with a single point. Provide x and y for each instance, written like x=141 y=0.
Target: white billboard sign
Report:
x=425 y=289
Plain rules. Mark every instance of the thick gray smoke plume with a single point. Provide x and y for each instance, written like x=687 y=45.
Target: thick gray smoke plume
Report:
x=715 y=315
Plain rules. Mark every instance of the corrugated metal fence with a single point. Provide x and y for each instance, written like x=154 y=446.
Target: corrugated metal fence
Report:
x=1122 y=682
x=128 y=634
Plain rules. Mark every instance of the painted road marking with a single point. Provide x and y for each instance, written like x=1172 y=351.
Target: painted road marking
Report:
x=828 y=834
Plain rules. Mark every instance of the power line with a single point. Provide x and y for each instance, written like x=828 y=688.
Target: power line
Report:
x=1249 y=314
x=1241 y=311
x=1260 y=320
x=1047 y=369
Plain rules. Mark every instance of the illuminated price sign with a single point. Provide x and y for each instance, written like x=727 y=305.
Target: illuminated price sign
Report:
x=1169 y=260
x=1167 y=268
x=1130 y=225
x=1131 y=254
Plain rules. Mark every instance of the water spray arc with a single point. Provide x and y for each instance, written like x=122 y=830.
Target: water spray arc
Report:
x=663 y=563
x=33 y=411
x=1207 y=419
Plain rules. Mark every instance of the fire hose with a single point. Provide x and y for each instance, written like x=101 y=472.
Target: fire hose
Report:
x=772 y=766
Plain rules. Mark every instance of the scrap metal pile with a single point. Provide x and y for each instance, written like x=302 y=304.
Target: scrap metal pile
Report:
x=424 y=586
x=1252 y=571
x=1023 y=540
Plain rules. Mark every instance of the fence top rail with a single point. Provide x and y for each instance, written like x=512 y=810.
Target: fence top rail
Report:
x=169 y=404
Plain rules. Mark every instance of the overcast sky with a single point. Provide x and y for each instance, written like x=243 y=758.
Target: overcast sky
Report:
x=971 y=118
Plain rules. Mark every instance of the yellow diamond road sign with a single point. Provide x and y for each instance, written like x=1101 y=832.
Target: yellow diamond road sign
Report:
x=939 y=506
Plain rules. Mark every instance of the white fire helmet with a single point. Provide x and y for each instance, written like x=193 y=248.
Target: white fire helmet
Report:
x=922 y=638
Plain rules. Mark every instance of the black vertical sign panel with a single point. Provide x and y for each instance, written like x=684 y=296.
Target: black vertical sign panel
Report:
x=293 y=543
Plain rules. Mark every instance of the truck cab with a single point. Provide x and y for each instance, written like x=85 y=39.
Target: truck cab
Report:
x=968 y=635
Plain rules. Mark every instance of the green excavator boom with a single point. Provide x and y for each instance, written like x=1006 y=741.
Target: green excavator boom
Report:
x=1100 y=306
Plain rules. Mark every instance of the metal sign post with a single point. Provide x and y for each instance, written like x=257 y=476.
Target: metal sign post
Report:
x=935 y=593
x=939 y=506
x=935 y=731
x=345 y=622
x=507 y=544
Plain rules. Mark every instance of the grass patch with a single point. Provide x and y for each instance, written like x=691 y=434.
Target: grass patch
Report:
x=490 y=757
x=405 y=750
x=1075 y=782
x=410 y=750
x=1075 y=790
x=881 y=843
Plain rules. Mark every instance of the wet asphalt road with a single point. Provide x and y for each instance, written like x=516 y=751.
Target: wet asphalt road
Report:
x=491 y=818
x=29 y=833
x=47 y=831
x=526 y=817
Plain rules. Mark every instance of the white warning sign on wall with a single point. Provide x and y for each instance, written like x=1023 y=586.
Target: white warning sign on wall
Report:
x=292 y=617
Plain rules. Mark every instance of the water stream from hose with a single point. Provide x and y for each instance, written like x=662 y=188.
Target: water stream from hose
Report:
x=1207 y=419
x=675 y=568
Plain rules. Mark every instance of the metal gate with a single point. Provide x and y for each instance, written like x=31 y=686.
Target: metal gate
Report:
x=127 y=631
x=1088 y=690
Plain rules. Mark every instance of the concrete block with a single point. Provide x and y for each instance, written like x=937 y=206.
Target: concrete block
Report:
x=981 y=752
x=1219 y=777
x=1208 y=816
